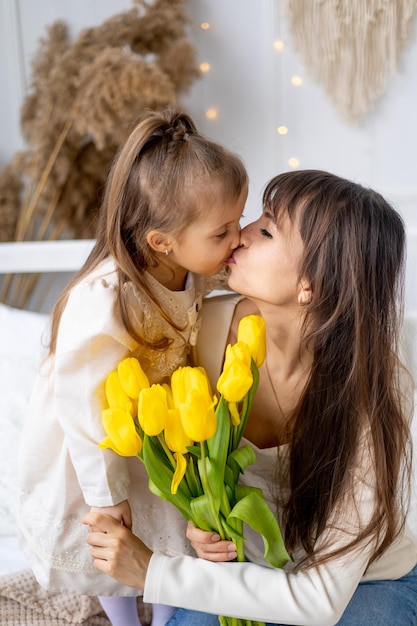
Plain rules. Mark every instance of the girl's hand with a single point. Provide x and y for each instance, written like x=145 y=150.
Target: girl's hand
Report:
x=209 y=546
x=116 y=550
x=120 y=511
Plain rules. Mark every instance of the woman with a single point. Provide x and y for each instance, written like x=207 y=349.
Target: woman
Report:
x=330 y=424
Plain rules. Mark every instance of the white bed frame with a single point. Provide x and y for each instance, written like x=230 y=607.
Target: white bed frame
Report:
x=44 y=256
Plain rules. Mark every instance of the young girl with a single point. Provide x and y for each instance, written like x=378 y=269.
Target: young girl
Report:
x=171 y=214
x=329 y=424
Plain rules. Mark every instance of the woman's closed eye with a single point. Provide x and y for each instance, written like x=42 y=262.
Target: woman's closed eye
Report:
x=265 y=233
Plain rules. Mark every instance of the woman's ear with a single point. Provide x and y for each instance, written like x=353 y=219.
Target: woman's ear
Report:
x=305 y=294
x=158 y=241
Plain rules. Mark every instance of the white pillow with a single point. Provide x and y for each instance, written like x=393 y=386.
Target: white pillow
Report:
x=21 y=351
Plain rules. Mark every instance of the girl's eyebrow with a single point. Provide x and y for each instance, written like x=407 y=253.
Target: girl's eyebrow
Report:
x=267 y=213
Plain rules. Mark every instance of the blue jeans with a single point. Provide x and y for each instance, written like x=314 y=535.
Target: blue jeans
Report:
x=374 y=603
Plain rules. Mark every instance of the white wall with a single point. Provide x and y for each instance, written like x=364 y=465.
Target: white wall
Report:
x=250 y=86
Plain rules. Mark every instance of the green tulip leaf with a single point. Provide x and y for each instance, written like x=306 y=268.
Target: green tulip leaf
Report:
x=195 y=451
x=213 y=483
x=218 y=444
x=201 y=513
x=254 y=511
x=160 y=478
x=181 y=503
x=230 y=477
x=243 y=490
x=157 y=449
x=243 y=456
x=231 y=532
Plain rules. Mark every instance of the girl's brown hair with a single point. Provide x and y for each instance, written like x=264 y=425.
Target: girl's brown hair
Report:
x=164 y=178
x=354 y=251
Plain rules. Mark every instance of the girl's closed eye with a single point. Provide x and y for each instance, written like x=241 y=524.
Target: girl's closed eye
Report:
x=222 y=235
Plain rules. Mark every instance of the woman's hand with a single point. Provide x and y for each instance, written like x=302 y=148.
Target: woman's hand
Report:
x=121 y=512
x=116 y=550
x=209 y=546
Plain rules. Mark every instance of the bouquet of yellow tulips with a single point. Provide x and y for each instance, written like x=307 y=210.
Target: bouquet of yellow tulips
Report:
x=190 y=441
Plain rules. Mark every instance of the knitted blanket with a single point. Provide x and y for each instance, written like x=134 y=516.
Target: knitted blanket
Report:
x=24 y=601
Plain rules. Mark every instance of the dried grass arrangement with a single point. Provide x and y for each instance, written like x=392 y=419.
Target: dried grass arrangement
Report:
x=85 y=97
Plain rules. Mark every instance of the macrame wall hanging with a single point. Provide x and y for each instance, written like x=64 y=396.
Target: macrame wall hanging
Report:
x=351 y=47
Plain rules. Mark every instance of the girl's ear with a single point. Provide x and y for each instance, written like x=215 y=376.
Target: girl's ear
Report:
x=158 y=241
x=305 y=294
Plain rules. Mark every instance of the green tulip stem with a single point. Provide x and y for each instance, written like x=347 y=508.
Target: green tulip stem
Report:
x=247 y=404
x=239 y=543
x=192 y=480
x=167 y=451
x=236 y=524
x=173 y=462
x=208 y=491
x=236 y=621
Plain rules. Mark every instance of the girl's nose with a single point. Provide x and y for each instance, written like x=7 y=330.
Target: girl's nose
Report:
x=245 y=235
x=235 y=243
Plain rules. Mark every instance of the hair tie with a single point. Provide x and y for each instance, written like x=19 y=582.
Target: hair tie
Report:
x=185 y=136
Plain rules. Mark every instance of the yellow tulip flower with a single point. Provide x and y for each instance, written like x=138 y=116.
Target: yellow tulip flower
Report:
x=132 y=377
x=192 y=396
x=179 y=471
x=121 y=432
x=252 y=331
x=116 y=395
x=153 y=409
x=186 y=378
x=236 y=378
x=175 y=437
x=234 y=413
x=239 y=351
x=174 y=433
x=198 y=417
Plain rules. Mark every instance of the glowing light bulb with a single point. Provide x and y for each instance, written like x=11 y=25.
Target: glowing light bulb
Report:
x=211 y=113
x=278 y=44
x=205 y=25
x=205 y=67
x=296 y=81
x=282 y=130
x=293 y=162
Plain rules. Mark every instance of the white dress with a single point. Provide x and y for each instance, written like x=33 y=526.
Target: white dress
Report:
x=62 y=472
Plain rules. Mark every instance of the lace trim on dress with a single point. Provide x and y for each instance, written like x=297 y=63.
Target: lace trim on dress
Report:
x=184 y=308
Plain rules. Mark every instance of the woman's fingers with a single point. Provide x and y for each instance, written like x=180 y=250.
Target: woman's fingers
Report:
x=116 y=550
x=101 y=522
x=209 y=546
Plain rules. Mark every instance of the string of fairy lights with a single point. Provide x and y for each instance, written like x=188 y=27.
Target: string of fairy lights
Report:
x=296 y=81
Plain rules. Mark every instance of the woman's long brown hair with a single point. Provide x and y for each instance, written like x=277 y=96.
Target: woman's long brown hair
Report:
x=354 y=252
x=165 y=177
